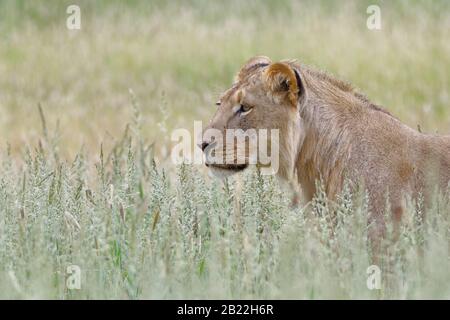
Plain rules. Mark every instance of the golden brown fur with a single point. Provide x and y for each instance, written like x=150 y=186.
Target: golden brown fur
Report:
x=330 y=132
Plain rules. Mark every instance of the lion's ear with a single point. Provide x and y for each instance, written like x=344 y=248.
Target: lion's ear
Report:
x=281 y=78
x=253 y=63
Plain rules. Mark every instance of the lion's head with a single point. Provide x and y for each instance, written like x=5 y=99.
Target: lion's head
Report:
x=264 y=95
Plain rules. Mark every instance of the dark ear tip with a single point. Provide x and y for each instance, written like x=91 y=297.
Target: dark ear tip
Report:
x=252 y=64
x=299 y=81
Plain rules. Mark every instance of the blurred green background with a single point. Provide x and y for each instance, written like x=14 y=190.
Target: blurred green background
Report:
x=177 y=56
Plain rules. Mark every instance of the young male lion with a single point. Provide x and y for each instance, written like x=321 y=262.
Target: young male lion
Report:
x=329 y=132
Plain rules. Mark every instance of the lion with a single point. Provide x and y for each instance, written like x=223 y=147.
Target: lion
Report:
x=331 y=133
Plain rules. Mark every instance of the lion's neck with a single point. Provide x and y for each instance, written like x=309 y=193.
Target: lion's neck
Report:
x=324 y=152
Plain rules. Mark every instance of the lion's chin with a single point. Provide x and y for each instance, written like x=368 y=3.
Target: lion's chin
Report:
x=223 y=171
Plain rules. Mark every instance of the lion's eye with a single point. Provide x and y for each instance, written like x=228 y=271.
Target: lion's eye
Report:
x=243 y=109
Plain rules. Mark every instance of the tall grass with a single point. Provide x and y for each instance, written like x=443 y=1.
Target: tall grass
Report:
x=139 y=231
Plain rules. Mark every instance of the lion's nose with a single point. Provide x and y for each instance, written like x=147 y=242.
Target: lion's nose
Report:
x=203 y=145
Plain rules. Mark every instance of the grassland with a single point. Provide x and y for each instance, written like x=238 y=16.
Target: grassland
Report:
x=87 y=181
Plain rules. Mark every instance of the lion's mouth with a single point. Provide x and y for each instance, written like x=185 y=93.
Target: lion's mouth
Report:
x=230 y=167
